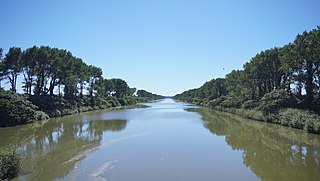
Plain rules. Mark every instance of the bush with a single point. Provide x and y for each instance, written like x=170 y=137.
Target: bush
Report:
x=251 y=114
x=272 y=102
x=301 y=119
x=131 y=100
x=9 y=163
x=216 y=102
x=113 y=101
x=232 y=101
x=250 y=104
x=15 y=109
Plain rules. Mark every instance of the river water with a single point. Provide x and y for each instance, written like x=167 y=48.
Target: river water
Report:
x=168 y=141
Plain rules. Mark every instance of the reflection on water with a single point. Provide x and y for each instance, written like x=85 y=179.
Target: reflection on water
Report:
x=64 y=141
x=272 y=152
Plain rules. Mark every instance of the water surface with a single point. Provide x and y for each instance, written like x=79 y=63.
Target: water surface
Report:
x=163 y=142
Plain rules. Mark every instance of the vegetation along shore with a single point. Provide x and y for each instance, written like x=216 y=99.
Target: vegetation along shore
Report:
x=56 y=83
x=280 y=85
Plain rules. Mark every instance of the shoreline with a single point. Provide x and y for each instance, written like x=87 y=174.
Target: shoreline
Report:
x=272 y=118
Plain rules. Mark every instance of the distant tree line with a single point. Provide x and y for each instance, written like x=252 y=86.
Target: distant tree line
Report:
x=273 y=79
x=144 y=93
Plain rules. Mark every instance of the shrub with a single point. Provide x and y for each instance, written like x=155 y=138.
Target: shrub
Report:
x=250 y=104
x=131 y=100
x=216 y=102
x=301 y=119
x=275 y=100
x=9 y=163
x=251 y=114
x=15 y=109
x=113 y=101
x=232 y=102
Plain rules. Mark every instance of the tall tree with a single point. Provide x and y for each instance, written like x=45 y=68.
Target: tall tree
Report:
x=308 y=48
x=1 y=70
x=12 y=66
x=28 y=62
x=41 y=69
x=83 y=72
x=95 y=74
x=121 y=87
x=289 y=65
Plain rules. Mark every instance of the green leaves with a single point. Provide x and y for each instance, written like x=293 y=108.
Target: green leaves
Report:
x=11 y=66
x=9 y=163
x=276 y=100
x=15 y=109
x=146 y=94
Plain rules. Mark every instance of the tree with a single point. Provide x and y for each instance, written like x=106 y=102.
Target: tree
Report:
x=28 y=61
x=68 y=76
x=289 y=66
x=308 y=49
x=41 y=69
x=108 y=87
x=146 y=94
x=120 y=87
x=11 y=66
x=83 y=72
x=95 y=74
x=1 y=70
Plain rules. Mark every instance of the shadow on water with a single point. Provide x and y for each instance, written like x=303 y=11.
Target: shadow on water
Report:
x=57 y=145
x=272 y=152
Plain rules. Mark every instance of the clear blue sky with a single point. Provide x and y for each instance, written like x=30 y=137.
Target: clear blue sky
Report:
x=163 y=46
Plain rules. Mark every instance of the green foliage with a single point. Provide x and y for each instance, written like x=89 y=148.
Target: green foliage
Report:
x=121 y=88
x=113 y=101
x=300 y=119
x=307 y=46
x=250 y=104
x=9 y=163
x=15 y=109
x=11 y=66
x=250 y=114
x=216 y=102
x=146 y=94
x=275 y=100
x=232 y=101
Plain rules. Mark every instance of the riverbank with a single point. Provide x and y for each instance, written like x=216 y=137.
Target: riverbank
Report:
x=17 y=109
x=277 y=107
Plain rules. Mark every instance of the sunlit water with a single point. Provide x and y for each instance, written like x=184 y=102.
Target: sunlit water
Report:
x=163 y=142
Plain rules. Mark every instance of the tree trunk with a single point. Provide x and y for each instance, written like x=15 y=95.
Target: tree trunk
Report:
x=81 y=89
x=52 y=84
x=309 y=85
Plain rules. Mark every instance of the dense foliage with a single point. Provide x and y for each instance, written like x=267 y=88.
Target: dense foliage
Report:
x=15 y=109
x=273 y=80
x=9 y=163
x=149 y=95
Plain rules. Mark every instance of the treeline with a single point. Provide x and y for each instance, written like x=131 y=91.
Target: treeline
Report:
x=280 y=85
x=143 y=93
x=46 y=69
x=57 y=83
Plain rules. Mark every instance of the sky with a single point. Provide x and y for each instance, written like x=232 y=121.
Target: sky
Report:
x=162 y=46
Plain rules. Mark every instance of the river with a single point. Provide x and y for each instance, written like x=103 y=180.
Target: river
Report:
x=169 y=141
